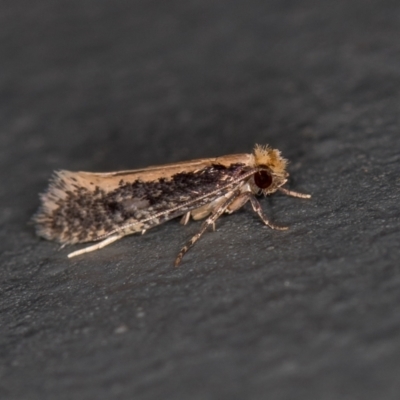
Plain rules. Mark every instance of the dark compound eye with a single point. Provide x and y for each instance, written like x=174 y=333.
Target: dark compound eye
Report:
x=263 y=179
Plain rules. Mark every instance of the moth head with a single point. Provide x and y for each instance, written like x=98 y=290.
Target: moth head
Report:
x=271 y=167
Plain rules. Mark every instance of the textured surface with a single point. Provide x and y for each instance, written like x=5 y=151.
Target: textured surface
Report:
x=311 y=313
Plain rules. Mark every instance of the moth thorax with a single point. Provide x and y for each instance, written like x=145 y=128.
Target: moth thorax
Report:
x=263 y=179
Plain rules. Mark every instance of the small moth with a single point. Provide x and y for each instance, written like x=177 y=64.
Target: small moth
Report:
x=81 y=207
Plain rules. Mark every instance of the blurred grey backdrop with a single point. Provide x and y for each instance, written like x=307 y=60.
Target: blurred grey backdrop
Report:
x=311 y=313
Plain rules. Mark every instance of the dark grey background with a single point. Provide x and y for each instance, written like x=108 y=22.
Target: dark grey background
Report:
x=311 y=313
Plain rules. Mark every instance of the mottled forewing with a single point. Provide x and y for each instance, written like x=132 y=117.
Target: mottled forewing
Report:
x=74 y=212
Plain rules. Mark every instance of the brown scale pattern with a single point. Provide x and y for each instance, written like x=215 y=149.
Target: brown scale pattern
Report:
x=83 y=214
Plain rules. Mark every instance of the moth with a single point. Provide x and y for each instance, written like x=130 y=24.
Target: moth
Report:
x=81 y=207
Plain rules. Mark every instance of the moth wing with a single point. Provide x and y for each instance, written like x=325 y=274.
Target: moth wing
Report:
x=111 y=180
x=83 y=206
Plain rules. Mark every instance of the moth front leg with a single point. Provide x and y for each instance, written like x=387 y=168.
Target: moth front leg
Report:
x=257 y=208
x=242 y=199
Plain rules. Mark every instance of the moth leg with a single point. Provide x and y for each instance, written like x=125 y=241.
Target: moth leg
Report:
x=207 y=209
x=96 y=246
x=257 y=208
x=209 y=221
x=239 y=202
x=185 y=218
x=294 y=194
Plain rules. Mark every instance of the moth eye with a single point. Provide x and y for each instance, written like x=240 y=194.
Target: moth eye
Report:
x=263 y=179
